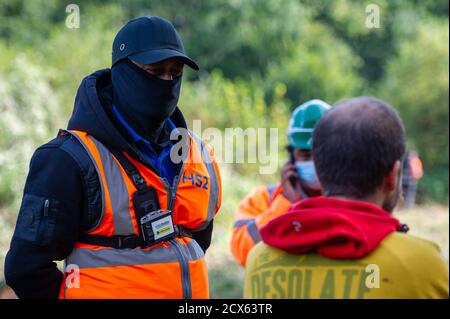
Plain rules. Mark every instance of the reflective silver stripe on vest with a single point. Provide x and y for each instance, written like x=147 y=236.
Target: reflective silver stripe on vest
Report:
x=118 y=191
x=252 y=229
x=110 y=257
x=271 y=189
x=193 y=250
x=241 y=222
x=102 y=187
x=214 y=183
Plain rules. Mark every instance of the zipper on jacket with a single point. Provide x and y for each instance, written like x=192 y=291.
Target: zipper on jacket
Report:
x=185 y=273
x=184 y=263
x=171 y=197
x=46 y=207
x=172 y=190
x=171 y=194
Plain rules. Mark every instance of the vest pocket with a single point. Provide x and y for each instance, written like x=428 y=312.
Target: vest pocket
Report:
x=37 y=219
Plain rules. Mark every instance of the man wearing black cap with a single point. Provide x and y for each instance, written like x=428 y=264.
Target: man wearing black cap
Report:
x=130 y=217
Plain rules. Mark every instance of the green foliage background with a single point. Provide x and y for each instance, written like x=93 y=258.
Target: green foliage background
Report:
x=259 y=59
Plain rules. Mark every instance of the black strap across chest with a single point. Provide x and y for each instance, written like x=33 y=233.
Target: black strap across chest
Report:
x=131 y=241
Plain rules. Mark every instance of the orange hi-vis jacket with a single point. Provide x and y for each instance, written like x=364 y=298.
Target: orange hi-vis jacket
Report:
x=169 y=269
x=259 y=207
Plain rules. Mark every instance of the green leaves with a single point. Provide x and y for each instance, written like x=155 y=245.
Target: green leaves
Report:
x=258 y=60
x=416 y=83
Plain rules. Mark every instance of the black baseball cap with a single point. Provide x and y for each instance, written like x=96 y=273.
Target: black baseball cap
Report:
x=149 y=40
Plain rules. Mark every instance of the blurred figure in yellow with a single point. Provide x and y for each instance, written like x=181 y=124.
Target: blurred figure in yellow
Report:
x=346 y=244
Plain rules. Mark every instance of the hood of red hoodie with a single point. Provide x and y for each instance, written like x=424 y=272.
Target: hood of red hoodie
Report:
x=333 y=228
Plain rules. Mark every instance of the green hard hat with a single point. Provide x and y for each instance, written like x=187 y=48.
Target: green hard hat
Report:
x=303 y=121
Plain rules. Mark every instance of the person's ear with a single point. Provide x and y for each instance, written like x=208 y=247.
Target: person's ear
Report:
x=392 y=180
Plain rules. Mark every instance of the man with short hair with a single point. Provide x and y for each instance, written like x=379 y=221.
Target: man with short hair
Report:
x=346 y=244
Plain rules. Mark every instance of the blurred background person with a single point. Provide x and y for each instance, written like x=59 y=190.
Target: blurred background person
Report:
x=298 y=181
x=412 y=173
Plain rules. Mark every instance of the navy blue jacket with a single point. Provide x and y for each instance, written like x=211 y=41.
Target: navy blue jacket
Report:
x=62 y=197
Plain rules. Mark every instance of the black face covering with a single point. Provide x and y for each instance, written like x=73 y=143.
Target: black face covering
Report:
x=144 y=100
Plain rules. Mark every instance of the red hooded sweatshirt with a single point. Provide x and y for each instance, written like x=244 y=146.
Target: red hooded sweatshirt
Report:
x=334 y=228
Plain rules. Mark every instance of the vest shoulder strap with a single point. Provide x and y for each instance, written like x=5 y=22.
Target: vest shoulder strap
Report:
x=215 y=192
x=271 y=188
x=91 y=180
x=131 y=241
x=130 y=169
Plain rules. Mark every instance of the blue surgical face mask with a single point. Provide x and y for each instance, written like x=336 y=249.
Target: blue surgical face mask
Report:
x=307 y=174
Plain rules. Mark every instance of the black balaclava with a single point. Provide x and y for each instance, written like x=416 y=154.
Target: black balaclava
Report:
x=144 y=100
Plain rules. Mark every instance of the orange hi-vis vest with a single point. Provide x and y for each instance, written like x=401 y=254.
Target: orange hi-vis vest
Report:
x=258 y=208
x=169 y=269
